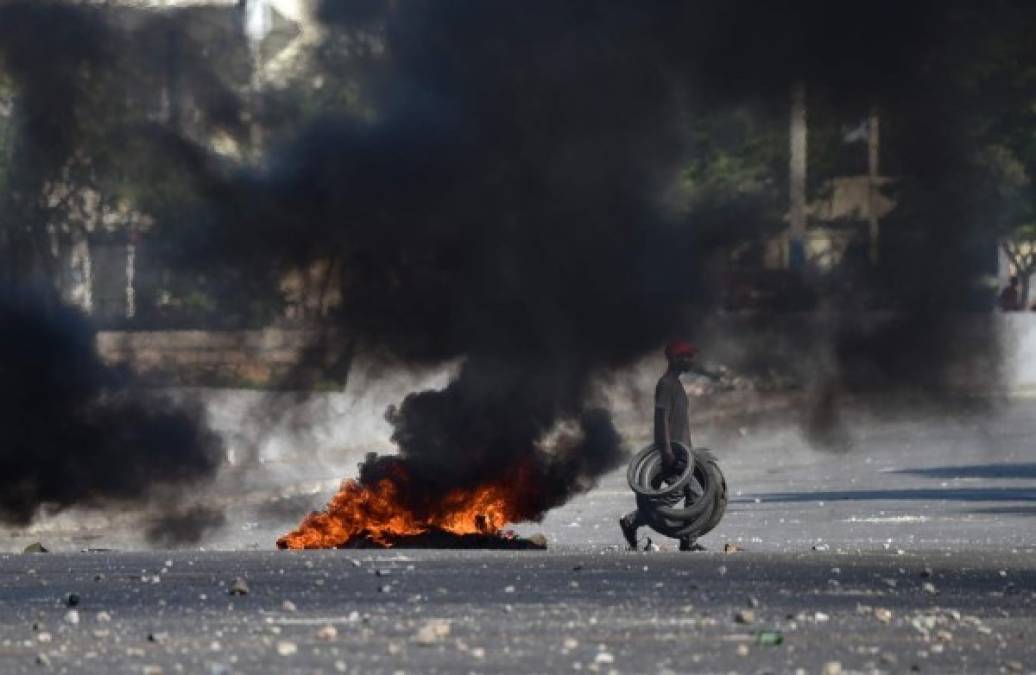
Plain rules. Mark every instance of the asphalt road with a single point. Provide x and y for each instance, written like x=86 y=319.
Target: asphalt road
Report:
x=910 y=550
x=519 y=612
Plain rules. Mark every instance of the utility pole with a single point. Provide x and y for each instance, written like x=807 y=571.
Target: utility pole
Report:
x=873 y=145
x=796 y=251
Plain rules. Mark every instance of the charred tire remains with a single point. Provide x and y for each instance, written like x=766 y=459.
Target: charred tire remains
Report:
x=660 y=496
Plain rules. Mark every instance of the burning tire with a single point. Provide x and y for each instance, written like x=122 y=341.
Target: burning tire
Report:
x=659 y=496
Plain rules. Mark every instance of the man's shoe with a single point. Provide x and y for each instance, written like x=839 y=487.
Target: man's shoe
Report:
x=691 y=545
x=629 y=532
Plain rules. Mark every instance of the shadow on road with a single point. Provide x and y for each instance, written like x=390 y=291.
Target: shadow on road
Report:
x=1017 y=470
x=949 y=494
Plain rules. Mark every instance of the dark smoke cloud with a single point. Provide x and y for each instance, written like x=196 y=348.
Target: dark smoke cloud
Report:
x=87 y=86
x=76 y=432
x=508 y=205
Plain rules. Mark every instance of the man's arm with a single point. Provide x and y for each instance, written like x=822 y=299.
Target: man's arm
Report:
x=714 y=374
x=663 y=404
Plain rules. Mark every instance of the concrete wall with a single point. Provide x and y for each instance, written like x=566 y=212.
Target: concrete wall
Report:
x=260 y=357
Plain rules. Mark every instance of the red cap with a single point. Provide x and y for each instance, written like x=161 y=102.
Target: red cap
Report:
x=680 y=348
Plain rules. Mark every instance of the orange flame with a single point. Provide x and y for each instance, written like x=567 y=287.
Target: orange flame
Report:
x=378 y=513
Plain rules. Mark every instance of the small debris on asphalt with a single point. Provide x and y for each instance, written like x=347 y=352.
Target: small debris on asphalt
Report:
x=286 y=648
x=44 y=637
x=432 y=632
x=745 y=616
x=239 y=587
x=327 y=633
x=157 y=638
x=385 y=589
x=832 y=668
x=729 y=548
x=883 y=615
x=742 y=649
x=72 y=617
x=43 y=660
x=604 y=658
x=289 y=606
x=103 y=617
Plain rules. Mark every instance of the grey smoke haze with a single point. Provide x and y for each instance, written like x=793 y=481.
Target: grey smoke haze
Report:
x=509 y=200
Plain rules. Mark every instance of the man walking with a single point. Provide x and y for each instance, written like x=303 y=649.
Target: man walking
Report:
x=672 y=424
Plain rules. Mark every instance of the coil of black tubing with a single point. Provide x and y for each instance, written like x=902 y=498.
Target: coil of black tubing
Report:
x=659 y=497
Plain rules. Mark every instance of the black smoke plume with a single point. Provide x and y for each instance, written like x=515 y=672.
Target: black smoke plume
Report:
x=77 y=432
x=509 y=204
x=87 y=84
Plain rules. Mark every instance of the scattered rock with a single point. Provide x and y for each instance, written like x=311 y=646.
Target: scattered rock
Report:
x=742 y=649
x=432 y=632
x=103 y=617
x=729 y=548
x=753 y=602
x=289 y=606
x=43 y=637
x=286 y=648
x=35 y=547
x=604 y=658
x=72 y=617
x=43 y=660
x=72 y=599
x=239 y=587
x=889 y=659
x=832 y=668
x=355 y=563
x=821 y=547
x=158 y=638
x=569 y=643
x=1014 y=666
x=883 y=615
x=385 y=589
x=327 y=633
x=745 y=616
x=821 y=617
x=538 y=540
x=929 y=587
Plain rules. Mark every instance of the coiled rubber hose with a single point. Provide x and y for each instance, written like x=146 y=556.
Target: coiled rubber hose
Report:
x=659 y=496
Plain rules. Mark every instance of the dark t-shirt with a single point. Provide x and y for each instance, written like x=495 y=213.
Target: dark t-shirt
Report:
x=671 y=397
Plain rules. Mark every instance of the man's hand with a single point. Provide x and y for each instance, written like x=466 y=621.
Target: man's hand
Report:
x=668 y=458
